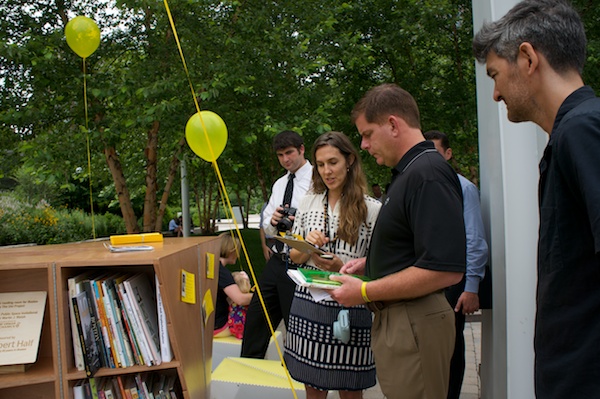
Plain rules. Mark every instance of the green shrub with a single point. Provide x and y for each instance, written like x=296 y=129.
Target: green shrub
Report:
x=22 y=223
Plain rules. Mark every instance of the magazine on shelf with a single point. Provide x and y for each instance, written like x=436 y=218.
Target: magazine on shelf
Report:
x=317 y=278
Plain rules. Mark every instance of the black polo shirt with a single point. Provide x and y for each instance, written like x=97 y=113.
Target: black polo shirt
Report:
x=567 y=333
x=421 y=221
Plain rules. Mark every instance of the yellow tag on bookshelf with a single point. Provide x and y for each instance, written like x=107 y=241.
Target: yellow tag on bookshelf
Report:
x=207 y=306
x=188 y=287
x=210 y=265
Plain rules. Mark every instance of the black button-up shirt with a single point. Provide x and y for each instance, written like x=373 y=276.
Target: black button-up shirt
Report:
x=567 y=334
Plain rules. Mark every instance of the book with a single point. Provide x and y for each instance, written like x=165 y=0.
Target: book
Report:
x=166 y=353
x=21 y=319
x=144 y=382
x=317 y=278
x=115 y=318
x=122 y=323
x=112 y=358
x=78 y=390
x=299 y=244
x=74 y=286
x=116 y=288
x=121 y=387
x=135 y=323
x=105 y=351
x=131 y=389
x=143 y=300
x=88 y=333
x=93 y=388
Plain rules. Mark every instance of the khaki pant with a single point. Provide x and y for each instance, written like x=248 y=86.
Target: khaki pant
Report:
x=412 y=343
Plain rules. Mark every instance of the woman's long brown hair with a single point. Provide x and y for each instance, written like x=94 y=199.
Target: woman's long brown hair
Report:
x=353 y=210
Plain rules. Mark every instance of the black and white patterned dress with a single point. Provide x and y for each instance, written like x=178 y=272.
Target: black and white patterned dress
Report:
x=312 y=354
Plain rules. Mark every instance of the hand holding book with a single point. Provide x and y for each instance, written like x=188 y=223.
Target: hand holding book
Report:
x=317 y=278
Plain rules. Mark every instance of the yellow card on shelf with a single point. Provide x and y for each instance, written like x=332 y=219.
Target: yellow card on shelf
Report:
x=188 y=287
x=207 y=305
x=210 y=265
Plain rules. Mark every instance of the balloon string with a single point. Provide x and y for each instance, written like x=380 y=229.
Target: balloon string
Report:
x=223 y=192
x=89 y=157
x=187 y=73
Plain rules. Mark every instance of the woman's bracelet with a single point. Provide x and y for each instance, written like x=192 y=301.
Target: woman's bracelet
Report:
x=363 y=292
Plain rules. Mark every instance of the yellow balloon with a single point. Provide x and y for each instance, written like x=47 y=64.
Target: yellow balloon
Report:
x=83 y=36
x=197 y=139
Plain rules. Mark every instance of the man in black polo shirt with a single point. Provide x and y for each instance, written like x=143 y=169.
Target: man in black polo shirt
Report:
x=418 y=248
x=535 y=55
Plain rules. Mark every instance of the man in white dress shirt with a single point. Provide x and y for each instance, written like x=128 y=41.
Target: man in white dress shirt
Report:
x=276 y=287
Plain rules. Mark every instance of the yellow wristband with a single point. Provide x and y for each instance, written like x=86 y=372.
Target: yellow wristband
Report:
x=363 y=292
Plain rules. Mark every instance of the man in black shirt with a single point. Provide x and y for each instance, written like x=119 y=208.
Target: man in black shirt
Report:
x=418 y=248
x=535 y=55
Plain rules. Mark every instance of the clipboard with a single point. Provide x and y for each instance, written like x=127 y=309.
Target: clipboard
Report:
x=300 y=245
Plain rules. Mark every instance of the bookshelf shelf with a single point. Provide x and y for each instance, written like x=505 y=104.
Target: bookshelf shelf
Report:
x=48 y=268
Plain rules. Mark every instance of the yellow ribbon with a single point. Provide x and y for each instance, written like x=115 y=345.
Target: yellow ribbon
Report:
x=223 y=193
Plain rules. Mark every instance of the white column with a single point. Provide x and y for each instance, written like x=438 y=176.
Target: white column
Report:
x=509 y=154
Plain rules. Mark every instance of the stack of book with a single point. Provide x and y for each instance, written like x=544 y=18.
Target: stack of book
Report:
x=163 y=385
x=117 y=320
x=317 y=278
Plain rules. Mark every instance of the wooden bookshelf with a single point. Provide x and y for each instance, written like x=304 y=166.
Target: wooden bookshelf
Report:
x=23 y=270
x=49 y=268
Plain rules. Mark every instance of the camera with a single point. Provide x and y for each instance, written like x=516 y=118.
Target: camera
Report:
x=341 y=327
x=285 y=224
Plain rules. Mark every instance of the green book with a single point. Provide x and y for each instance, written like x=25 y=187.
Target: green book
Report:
x=317 y=278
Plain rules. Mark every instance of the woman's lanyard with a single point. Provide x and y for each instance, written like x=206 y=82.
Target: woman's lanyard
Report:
x=326 y=229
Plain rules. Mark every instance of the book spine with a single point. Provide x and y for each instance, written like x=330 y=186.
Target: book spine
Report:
x=122 y=389
x=114 y=326
x=127 y=323
x=78 y=390
x=166 y=352
x=143 y=301
x=112 y=355
x=136 y=323
x=129 y=343
x=77 y=354
x=80 y=331
x=104 y=347
x=93 y=388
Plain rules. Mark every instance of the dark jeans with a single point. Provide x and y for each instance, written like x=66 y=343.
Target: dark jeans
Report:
x=277 y=291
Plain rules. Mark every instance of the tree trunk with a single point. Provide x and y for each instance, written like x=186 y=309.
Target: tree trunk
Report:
x=112 y=159
x=151 y=178
x=170 y=180
x=261 y=181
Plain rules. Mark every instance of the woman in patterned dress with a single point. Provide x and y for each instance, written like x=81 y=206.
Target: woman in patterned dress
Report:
x=338 y=217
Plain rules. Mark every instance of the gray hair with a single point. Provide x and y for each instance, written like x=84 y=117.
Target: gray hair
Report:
x=552 y=27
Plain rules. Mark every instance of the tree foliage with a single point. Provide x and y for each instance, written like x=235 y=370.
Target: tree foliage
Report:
x=263 y=66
